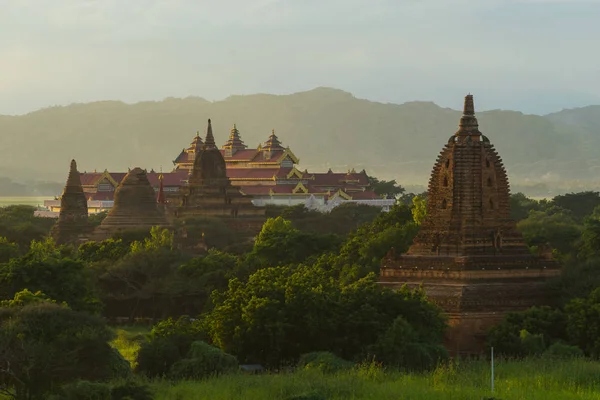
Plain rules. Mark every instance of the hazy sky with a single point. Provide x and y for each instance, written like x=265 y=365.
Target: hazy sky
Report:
x=534 y=56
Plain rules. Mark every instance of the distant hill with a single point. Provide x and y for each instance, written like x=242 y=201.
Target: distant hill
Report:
x=326 y=128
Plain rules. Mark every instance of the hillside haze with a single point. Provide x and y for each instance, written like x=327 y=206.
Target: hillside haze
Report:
x=326 y=128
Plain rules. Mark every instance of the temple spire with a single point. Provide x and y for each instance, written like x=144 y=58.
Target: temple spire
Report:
x=468 y=123
x=73 y=180
x=209 y=141
x=273 y=142
x=235 y=141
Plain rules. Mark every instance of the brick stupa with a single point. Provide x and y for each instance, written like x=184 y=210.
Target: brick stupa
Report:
x=72 y=221
x=468 y=255
x=209 y=191
x=135 y=206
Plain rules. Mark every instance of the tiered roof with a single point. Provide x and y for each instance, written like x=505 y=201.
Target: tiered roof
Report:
x=234 y=142
x=273 y=142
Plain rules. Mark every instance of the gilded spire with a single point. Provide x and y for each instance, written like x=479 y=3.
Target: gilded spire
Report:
x=273 y=142
x=468 y=123
x=235 y=141
x=209 y=141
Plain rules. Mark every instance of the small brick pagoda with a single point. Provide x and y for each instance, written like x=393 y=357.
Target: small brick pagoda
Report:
x=136 y=207
x=73 y=218
x=209 y=191
x=468 y=255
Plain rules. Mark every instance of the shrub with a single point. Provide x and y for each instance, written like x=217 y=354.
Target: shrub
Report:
x=119 y=366
x=45 y=345
x=563 y=351
x=203 y=360
x=169 y=341
x=83 y=390
x=323 y=361
x=156 y=357
x=131 y=391
x=532 y=344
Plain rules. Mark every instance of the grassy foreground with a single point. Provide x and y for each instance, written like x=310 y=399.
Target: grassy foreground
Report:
x=533 y=379
x=527 y=380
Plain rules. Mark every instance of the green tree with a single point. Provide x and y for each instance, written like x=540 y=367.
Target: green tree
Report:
x=44 y=345
x=580 y=204
x=106 y=250
x=160 y=238
x=589 y=246
x=364 y=249
x=386 y=189
x=554 y=227
x=19 y=225
x=583 y=323
x=507 y=338
x=279 y=243
x=521 y=205
x=283 y=312
x=26 y=297
x=8 y=250
x=51 y=269
x=419 y=209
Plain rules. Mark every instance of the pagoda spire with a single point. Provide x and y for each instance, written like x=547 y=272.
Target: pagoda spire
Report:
x=468 y=122
x=72 y=219
x=209 y=141
x=235 y=141
x=273 y=142
x=73 y=180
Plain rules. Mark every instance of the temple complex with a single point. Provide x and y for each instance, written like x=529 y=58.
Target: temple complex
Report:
x=209 y=191
x=73 y=218
x=269 y=174
x=135 y=207
x=468 y=255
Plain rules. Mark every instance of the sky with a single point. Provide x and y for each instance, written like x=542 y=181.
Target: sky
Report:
x=535 y=56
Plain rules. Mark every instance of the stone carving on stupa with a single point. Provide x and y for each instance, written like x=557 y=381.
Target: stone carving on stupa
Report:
x=135 y=206
x=468 y=254
x=72 y=222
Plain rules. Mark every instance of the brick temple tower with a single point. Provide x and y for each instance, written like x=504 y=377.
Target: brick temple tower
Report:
x=73 y=219
x=468 y=254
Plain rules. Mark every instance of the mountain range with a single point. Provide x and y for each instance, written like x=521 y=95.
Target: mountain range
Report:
x=324 y=127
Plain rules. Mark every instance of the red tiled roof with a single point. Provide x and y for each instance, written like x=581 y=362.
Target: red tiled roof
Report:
x=118 y=176
x=241 y=155
x=89 y=178
x=176 y=178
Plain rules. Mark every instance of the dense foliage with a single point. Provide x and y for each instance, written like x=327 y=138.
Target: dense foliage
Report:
x=304 y=292
x=43 y=345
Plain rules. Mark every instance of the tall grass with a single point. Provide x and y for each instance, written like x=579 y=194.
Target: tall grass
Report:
x=537 y=379
x=531 y=379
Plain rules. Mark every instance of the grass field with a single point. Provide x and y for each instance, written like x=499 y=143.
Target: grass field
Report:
x=533 y=379
x=516 y=380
